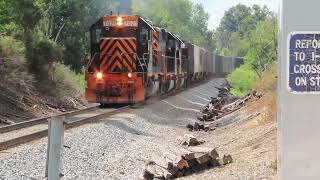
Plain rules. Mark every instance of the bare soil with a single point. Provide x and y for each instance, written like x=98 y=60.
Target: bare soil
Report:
x=20 y=99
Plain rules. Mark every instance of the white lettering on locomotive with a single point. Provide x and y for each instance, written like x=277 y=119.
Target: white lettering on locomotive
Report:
x=109 y=23
x=131 y=23
x=125 y=23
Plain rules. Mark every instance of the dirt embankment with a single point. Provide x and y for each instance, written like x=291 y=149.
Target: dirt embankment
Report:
x=22 y=99
x=250 y=136
x=247 y=134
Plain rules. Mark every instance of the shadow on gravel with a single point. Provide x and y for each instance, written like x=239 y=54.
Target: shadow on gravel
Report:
x=126 y=128
x=112 y=105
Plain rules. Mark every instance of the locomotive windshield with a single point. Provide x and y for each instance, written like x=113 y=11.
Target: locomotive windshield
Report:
x=104 y=32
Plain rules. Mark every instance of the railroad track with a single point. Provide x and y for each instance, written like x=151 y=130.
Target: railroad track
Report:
x=24 y=132
x=27 y=131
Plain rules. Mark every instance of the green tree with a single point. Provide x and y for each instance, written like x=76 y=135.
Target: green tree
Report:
x=8 y=19
x=182 y=17
x=260 y=56
x=67 y=23
x=262 y=52
x=237 y=23
x=234 y=17
x=62 y=23
x=28 y=16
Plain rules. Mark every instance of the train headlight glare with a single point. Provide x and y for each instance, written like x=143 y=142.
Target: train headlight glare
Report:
x=99 y=75
x=119 y=21
x=129 y=75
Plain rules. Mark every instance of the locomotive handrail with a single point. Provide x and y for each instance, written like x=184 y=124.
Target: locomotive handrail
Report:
x=170 y=57
x=137 y=57
x=144 y=58
x=90 y=61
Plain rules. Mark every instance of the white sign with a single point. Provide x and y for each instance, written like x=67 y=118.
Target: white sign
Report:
x=304 y=62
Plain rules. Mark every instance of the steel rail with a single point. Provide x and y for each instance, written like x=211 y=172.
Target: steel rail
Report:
x=42 y=120
x=68 y=125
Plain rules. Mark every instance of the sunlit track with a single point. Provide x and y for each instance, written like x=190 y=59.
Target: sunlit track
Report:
x=24 y=132
x=35 y=129
x=43 y=120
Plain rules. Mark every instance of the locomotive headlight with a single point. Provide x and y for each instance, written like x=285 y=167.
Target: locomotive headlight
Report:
x=129 y=75
x=119 y=21
x=99 y=75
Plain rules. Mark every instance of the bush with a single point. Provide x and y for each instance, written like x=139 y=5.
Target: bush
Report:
x=67 y=83
x=9 y=46
x=268 y=81
x=242 y=80
x=259 y=57
x=13 y=71
x=44 y=52
x=262 y=52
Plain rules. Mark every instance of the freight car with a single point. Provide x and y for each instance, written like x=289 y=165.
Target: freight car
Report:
x=131 y=60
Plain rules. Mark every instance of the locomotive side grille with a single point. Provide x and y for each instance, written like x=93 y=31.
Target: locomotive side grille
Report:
x=115 y=53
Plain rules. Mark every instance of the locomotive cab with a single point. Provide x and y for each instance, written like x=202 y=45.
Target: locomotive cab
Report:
x=116 y=71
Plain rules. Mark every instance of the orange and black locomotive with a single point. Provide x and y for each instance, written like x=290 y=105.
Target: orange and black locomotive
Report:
x=131 y=60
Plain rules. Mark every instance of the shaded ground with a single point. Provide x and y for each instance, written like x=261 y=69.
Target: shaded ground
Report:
x=119 y=147
x=22 y=99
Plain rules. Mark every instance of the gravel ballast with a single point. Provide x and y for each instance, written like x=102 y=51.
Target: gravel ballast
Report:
x=118 y=147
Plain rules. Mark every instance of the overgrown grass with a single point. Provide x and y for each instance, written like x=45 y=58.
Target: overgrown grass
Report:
x=268 y=86
x=242 y=80
x=67 y=82
x=9 y=46
x=13 y=71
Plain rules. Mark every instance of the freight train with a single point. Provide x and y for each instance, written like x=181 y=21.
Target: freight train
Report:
x=131 y=60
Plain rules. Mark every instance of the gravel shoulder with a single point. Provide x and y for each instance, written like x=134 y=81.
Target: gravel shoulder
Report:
x=119 y=147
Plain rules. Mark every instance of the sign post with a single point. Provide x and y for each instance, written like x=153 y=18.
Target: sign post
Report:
x=55 y=142
x=299 y=90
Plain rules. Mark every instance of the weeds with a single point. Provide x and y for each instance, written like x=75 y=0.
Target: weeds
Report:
x=268 y=85
x=67 y=83
x=242 y=80
x=9 y=46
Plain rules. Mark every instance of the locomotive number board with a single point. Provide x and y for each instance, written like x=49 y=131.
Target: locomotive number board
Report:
x=111 y=23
